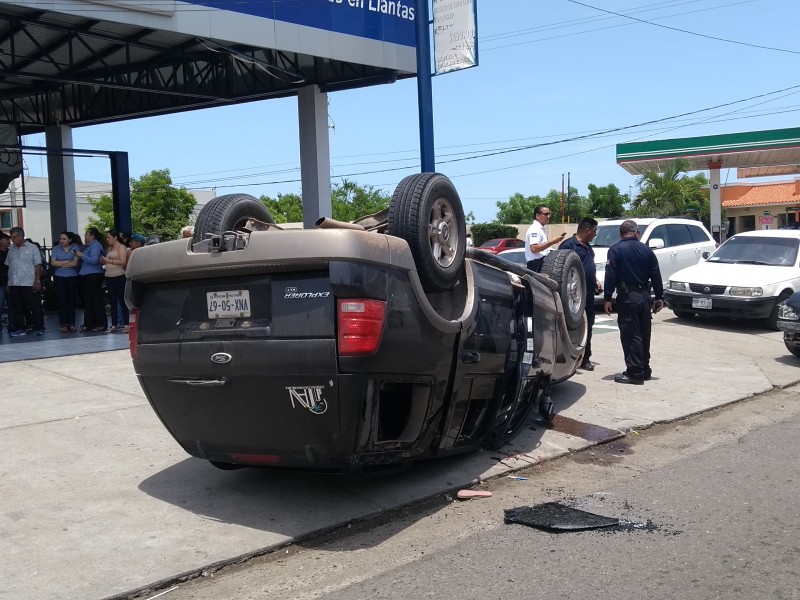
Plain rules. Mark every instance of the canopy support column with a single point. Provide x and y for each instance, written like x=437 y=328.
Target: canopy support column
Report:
x=716 y=202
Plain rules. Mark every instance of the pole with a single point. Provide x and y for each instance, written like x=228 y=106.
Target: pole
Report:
x=424 y=89
x=562 y=197
x=568 y=195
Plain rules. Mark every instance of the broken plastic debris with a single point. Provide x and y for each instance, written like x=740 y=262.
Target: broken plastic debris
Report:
x=555 y=516
x=467 y=494
x=516 y=478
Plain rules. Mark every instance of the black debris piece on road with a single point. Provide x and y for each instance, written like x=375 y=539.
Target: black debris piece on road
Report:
x=554 y=516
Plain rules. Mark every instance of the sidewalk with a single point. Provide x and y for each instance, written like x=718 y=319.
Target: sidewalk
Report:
x=98 y=500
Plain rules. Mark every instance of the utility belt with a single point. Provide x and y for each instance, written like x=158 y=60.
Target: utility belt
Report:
x=626 y=288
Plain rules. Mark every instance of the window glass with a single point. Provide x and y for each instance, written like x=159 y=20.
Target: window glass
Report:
x=661 y=233
x=698 y=234
x=520 y=243
x=679 y=234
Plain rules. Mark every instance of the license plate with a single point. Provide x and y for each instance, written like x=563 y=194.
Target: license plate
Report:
x=230 y=304
x=701 y=303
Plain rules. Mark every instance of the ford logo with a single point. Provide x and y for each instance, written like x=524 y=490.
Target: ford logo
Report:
x=221 y=358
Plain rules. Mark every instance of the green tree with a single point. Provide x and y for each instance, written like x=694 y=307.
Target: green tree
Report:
x=349 y=201
x=672 y=192
x=157 y=207
x=606 y=201
x=483 y=232
x=286 y=208
x=520 y=209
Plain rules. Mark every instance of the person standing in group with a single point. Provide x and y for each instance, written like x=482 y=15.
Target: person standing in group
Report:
x=137 y=241
x=65 y=261
x=24 y=263
x=5 y=241
x=580 y=243
x=187 y=232
x=92 y=275
x=536 y=244
x=631 y=268
x=115 y=261
x=470 y=243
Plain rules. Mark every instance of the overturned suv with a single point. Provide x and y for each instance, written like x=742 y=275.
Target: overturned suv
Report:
x=352 y=347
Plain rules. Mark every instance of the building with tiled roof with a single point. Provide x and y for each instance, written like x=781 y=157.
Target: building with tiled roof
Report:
x=753 y=206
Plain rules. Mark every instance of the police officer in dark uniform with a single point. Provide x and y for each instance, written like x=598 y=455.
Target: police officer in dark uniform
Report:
x=631 y=268
x=581 y=244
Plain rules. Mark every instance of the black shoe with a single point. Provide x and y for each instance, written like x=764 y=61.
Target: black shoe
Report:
x=587 y=365
x=648 y=374
x=624 y=378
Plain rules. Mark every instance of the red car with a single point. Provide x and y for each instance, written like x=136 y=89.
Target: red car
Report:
x=498 y=245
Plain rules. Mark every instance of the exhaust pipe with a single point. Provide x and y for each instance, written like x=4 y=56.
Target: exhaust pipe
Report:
x=327 y=223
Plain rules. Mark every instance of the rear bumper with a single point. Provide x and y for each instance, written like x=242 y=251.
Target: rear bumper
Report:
x=722 y=306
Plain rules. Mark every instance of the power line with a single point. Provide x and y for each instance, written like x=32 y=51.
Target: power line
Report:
x=702 y=35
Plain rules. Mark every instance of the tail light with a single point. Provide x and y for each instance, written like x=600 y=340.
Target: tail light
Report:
x=360 y=326
x=133 y=332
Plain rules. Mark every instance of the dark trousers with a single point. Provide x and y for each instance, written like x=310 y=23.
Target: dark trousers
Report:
x=67 y=290
x=94 y=308
x=536 y=264
x=587 y=354
x=635 y=322
x=116 y=293
x=25 y=307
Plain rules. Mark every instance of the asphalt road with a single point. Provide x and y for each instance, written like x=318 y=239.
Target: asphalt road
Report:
x=97 y=500
x=715 y=495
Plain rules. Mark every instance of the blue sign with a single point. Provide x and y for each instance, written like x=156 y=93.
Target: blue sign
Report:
x=381 y=20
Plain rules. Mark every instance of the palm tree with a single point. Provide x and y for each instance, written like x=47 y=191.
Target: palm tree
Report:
x=667 y=193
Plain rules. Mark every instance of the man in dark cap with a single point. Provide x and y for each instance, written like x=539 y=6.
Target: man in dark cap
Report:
x=631 y=268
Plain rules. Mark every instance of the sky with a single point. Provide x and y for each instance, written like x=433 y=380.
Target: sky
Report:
x=549 y=71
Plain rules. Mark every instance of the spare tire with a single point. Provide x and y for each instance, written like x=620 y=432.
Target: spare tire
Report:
x=564 y=266
x=426 y=212
x=229 y=213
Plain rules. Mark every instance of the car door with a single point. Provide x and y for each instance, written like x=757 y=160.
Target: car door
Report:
x=667 y=256
x=682 y=244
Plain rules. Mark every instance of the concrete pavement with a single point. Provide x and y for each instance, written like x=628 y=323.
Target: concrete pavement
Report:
x=97 y=500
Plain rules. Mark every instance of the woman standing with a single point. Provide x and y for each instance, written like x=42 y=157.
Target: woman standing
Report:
x=65 y=276
x=115 y=261
x=92 y=275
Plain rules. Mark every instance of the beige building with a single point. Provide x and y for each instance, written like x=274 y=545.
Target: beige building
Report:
x=31 y=209
x=754 y=206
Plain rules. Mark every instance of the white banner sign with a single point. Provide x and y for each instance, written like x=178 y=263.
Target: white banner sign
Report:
x=455 y=35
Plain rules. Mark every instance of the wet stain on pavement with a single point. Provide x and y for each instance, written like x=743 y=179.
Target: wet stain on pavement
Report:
x=586 y=431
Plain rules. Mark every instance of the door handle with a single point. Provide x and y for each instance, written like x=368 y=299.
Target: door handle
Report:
x=471 y=357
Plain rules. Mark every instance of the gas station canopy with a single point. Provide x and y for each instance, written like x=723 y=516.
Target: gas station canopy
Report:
x=754 y=153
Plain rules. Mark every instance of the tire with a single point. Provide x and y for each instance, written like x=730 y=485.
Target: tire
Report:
x=793 y=349
x=426 y=212
x=229 y=213
x=564 y=266
x=772 y=319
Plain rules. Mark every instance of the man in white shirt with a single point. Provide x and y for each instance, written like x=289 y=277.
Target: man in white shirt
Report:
x=536 y=244
x=24 y=263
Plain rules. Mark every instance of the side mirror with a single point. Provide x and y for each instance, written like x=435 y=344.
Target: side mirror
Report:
x=655 y=243
x=705 y=255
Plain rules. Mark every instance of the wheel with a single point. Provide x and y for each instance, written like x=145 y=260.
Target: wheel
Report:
x=564 y=266
x=792 y=348
x=426 y=212
x=772 y=319
x=229 y=213
x=683 y=314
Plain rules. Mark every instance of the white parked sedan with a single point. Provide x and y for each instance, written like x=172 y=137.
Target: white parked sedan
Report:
x=745 y=278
